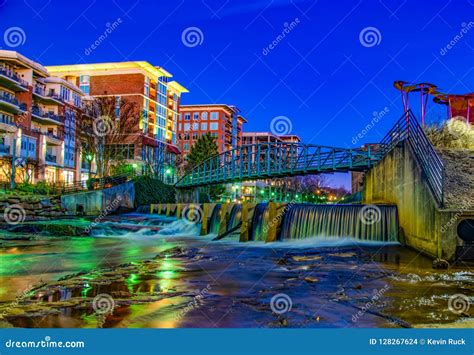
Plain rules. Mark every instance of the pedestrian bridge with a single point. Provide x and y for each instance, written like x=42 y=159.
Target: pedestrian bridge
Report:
x=277 y=159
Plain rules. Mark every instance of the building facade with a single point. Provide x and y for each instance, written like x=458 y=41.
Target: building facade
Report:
x=222 y=121
x=39 y=114
x=151 y=141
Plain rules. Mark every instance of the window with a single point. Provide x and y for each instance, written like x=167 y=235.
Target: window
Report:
x=187 y=127
x=196 y=116
x=84 y=84
x=186 y=146
x=117 y=107
x=195 y=126
x=195 y=136
x=187 y=116
x=120 y=151
x=180 y=126
x=214 y=116
x=186 y=136
x=204 y=126
x=214 y=126
x=204 y=115
x=65 y=93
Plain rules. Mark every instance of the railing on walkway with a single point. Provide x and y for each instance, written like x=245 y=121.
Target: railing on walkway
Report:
x=276 y=159
x=407 y=128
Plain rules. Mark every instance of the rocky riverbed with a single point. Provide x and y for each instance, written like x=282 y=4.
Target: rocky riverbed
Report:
x=166 y=280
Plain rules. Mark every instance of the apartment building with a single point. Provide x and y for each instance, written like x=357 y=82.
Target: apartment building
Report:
x=151 y=142
x=223 y=122
x=38 y=124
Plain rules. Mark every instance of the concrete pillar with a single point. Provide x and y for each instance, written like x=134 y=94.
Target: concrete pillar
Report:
x=178 y=210
x=168 y=209
x=244 y=229
x=224 y=217
x=205 y=217
x=272 y=222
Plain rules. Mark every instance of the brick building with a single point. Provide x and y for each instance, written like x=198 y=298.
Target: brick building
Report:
x=223 y=122
x=151 y=140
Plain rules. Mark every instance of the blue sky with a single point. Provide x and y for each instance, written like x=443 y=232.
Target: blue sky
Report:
x=322 y=75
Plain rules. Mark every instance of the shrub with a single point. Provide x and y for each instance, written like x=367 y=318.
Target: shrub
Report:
x=454 y=134
x=149 y=190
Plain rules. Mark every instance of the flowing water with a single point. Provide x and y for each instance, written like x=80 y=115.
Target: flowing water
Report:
x=156 y=271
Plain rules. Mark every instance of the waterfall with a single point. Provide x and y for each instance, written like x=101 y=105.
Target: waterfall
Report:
x=235 y=216
x=378 y=223
x=258 y=220
x=215 y=221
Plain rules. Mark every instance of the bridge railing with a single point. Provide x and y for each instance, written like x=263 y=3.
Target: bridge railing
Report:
x=275 y=159
x=407 y=128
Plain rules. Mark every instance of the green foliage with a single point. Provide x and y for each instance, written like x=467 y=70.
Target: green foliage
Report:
x=150 y=190
x=41 y=188
x=204 y=148
x=454 y=134
x=121 y=168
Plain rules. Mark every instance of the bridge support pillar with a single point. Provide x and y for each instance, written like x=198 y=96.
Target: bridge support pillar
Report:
x=244 y=229
x=178 y=210
x=224 y=216
x=168 y=209
x=205 y=219
x=272 y=222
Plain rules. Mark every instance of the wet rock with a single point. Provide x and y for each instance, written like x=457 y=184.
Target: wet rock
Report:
x=311 y=279
x=440 y=264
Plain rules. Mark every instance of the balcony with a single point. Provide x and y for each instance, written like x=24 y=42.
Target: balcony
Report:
x=47 y=98
x=42 y=116
x=10 y=104
x=7 y=124
x=50 y=158
x=4 y=149
x=11 y=80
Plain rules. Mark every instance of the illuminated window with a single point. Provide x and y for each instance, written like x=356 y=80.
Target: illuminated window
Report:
x=214 y=116
x=214 y=126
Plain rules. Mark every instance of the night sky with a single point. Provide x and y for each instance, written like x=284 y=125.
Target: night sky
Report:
x=323 y=74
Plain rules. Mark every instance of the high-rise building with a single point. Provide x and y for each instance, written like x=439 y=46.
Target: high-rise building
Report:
x=151 y=142
x=38 y=124
x=222 y=121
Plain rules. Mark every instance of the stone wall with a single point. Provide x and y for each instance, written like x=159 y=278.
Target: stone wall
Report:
x=17 y=209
